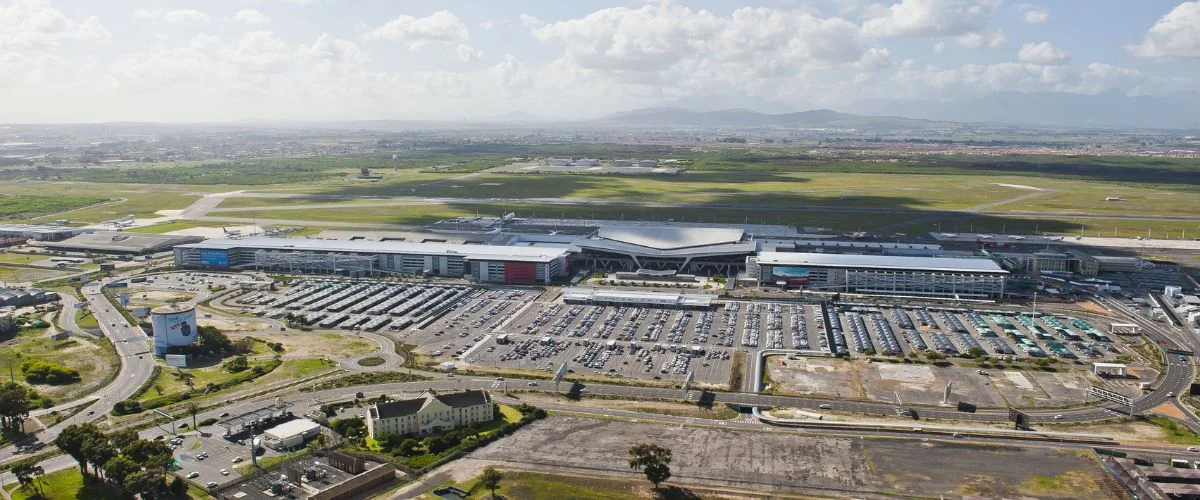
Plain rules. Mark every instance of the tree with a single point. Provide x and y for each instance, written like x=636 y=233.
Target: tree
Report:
x=976 y=352
x=653 y=460
x=120 y=467
x=28 y=474
x=150 y=454
x=14 y=406
x=491 y=479
x=73 y=439
x=121 y=439
x=147 y=483
x=98 y=451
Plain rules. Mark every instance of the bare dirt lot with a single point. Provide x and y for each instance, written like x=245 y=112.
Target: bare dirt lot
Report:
x=820 y=464
x=924 y=383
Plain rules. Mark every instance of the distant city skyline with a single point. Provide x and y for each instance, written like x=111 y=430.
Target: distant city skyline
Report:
x=230 y=60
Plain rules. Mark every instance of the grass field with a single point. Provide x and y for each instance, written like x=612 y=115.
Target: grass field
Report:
x=68 y=484
x=295 y=369
x=20 y=258
x=174 y=225
x=140 y=200
x=24 y=206
x=170 y=382
x=429 y=213
x=538 y=486
x=95 y=361
x=85 y=319
x=14 y=274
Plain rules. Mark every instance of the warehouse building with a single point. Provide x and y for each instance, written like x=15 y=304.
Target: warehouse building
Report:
x=120 y=242
x=430 y=413
x=882 y=275
x=40 y=232
x=481 y=263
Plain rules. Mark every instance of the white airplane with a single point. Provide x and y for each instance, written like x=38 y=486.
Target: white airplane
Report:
x=949 y=235
x=1015 y=237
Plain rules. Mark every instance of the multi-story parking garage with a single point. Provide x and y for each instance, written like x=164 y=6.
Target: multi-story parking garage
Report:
x=883 y=275
x=482 y=263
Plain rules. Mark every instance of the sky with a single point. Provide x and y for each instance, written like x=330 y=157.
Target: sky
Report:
x=314 y=60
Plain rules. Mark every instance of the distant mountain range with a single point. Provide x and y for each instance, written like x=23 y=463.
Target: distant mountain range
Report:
x=744 y=118
x=1059 y=109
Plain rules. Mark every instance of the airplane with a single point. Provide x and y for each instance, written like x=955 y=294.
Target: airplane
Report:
x=494 y=231
x=949 y=235
x=986 y=236
x=1016 y=237
x=552 y=233
x=232 y=232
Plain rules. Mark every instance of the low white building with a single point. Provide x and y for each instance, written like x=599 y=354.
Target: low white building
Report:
x=291 y=434
x=430 y=413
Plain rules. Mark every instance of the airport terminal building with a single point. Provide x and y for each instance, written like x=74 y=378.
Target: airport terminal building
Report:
x=882 y=274
x=717 y=251
x=481 y=263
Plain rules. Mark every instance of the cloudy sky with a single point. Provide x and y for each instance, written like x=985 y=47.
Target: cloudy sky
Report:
x=217 y=60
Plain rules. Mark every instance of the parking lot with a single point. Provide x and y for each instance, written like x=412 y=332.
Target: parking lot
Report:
x=356 y=305
x=521 y=329
x=534 y=329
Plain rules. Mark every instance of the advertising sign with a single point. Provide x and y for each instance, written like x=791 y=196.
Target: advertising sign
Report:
x=790 y=275
x=214 y=258
x=173 y=329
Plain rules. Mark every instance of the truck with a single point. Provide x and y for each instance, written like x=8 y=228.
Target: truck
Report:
x=1180 y=463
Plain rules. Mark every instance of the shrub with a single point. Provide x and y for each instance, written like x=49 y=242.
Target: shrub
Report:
x=45 y=372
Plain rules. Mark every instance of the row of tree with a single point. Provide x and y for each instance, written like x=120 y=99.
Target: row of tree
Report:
x=122 y=459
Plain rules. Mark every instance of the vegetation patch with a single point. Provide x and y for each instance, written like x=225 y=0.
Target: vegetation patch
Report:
x=1174 y=432
x=365 y=379
x=371 y=361
x=1073 y=484
x=27 y=206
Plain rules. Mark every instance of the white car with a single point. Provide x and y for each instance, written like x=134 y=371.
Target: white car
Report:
x=224 y=472
x=236 y=459
x=193 y=475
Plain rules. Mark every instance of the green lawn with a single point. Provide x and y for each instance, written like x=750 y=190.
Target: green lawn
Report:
x=21 y=258
x=85 y=319
x=68 y=484
x=174 y=225
x=297 y=369
x=536 y=486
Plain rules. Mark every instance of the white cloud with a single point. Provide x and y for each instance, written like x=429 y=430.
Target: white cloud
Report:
x=1032 y=14
x=980 y=40
x=673 y=45
x=531 y=22
x=932 y=18
x=147 y=14
x=328 y=54
x=1175 y=35
x=466 y=53
x=251 y=17
x=1044 y=53
x=32 y=25
x=440 y=27
x=487 y=25
x=203 y=42
x=185 y=16
x=939 y=47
